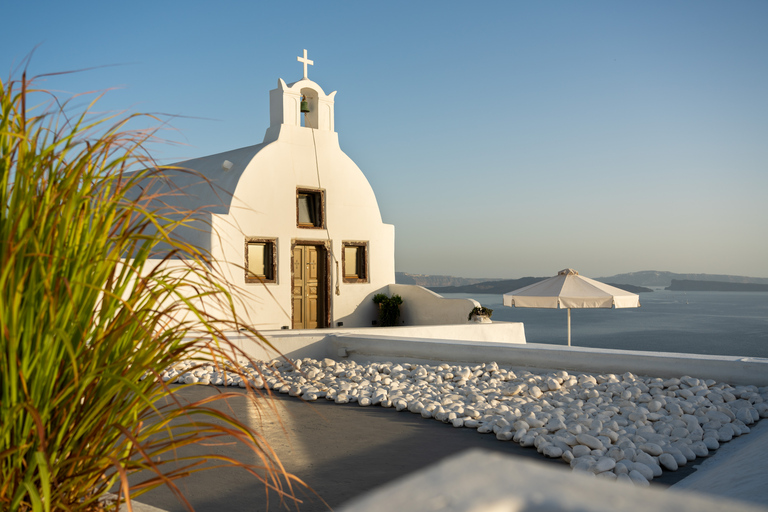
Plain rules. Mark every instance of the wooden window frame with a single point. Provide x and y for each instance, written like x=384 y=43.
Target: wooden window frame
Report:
x=272 y=265
x=362 y=260
x=320 y=207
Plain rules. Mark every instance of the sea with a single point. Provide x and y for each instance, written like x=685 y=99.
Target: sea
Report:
x=711 y=323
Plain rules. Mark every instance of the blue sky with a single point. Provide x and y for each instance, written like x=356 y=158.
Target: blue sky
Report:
x=502 y=139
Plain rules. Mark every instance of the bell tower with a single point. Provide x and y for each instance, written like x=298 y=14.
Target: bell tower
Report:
x=302 y=103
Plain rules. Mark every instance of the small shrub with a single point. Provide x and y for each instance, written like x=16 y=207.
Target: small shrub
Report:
x=389 y=309
x=480 y=310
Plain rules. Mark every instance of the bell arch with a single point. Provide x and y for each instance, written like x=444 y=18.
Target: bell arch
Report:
x=285 y=105
x=309 y=108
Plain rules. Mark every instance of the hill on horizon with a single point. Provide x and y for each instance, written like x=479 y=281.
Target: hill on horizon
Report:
x=493 y=287
x=643 y=279
x=507 y=285
x=428 y=281
x=655 y=278
x=715 y=286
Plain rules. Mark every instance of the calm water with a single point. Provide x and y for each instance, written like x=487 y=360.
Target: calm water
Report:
x=715 y=323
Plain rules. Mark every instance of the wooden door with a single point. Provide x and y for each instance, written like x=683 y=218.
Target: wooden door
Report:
x=309 y=297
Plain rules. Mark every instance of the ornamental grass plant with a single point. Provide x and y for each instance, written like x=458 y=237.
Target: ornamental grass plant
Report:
x=89 y=319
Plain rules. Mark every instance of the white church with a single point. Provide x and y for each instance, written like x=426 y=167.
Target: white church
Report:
x=298 y=225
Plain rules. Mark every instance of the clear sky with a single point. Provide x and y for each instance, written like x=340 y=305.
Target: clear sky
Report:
x=502 y=139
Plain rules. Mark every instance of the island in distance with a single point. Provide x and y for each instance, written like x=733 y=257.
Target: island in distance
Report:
x=688 y=285
x=507 y=285
x=634 y=282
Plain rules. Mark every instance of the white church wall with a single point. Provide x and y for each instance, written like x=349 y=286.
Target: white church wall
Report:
x=264 y=206
x=251 y=194
x=353 y=306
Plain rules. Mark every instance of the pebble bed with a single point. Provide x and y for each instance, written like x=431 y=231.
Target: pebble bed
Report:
x=619 y=427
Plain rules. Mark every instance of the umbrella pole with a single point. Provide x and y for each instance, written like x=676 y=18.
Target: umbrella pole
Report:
x=569 y=327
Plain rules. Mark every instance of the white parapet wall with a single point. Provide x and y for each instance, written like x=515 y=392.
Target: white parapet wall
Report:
x=501 y=342
x=320 y=343
x=734 y=370
x=425 y=307
x=482 y=481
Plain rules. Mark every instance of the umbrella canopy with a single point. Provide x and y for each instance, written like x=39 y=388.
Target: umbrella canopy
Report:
x=570 y=290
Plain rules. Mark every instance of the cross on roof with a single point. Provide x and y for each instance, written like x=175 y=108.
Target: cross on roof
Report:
x=306 y=61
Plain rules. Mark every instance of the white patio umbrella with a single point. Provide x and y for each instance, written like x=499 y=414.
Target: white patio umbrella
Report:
x=570 y=290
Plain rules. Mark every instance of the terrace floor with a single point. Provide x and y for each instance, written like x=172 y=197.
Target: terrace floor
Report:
x=341 y=451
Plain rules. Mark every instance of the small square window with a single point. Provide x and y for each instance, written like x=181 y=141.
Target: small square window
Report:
x=355 y=262
x=309 y=208
x=260 y=260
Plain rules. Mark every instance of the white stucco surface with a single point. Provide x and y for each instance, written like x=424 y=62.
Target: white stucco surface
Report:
x=251 y=193
x=496 y=342
x=264 y=205
x=478 y=481
x=413 y=340
x=425 y=307
x=738 y=470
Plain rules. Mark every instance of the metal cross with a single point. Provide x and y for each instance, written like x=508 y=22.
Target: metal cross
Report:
x=306 y=61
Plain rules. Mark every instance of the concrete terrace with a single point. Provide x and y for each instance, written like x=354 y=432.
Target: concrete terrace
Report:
x=347 y=451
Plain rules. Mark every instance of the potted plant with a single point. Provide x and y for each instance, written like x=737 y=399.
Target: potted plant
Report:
x=480 y=314
x=389 y=309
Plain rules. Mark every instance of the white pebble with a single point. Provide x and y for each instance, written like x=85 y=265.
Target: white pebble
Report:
x=581 y=450
x=699 y=448
x=604 y=464
x=590 y=441
x=654 y=406
x=668 y=461
x=711 y=443
x=651 y=449
x=552 y=451
x=645 y=471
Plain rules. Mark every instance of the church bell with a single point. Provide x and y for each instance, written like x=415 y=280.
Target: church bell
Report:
x=304 y=105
